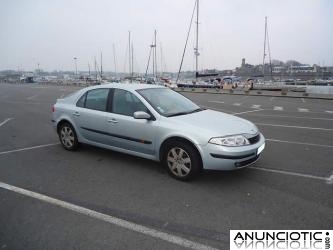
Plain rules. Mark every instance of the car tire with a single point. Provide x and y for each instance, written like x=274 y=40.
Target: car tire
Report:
x=68 y=137
x=181 y=160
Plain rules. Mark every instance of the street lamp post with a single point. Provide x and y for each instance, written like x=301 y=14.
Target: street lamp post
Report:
x=75 y=58
x=38 y=71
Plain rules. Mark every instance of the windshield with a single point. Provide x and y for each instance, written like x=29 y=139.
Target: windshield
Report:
x=168 y=102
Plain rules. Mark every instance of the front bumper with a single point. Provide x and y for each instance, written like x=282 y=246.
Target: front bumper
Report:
x=216 y=157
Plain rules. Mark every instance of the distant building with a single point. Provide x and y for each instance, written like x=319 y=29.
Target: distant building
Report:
x=283 y=71
x=243 y=62
x=302 y=69
x=247 y=70
x=279 y=69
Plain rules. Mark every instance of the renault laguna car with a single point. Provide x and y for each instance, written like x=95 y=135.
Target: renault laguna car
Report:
x=156 y=123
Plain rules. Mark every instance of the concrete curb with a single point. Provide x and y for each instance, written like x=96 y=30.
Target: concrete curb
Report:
x=267 y=95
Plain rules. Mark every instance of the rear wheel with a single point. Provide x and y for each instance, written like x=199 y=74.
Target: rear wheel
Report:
x=181 y=160
x=68 y=136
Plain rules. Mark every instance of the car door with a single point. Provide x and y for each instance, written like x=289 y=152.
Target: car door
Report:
x=126 y=132
x=90 y=115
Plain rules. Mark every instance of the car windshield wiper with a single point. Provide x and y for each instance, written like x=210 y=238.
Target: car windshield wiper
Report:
x=179 y=113
x=196 y=110
x=186 y=112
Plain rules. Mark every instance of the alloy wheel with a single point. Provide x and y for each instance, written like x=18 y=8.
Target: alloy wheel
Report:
x=179 y=162
x=67 y=136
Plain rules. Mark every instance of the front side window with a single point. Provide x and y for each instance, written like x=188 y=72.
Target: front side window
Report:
x=126 y=103
x=97 y=99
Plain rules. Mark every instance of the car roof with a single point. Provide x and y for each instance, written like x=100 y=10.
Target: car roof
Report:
x=126 y=86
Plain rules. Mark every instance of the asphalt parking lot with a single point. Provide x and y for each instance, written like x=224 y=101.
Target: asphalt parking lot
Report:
x=290 y=187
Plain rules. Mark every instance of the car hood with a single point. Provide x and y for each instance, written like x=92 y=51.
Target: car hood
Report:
x=214 y=123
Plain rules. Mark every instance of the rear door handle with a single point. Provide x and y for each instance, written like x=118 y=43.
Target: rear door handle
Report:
x=76 y=113
x=112 y=120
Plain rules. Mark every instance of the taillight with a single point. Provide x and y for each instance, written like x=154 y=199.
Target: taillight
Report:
x=53 y=109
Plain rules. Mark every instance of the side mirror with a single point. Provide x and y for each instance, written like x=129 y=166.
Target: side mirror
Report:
x=141 y=115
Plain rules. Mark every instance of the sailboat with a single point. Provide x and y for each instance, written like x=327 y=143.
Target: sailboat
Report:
x=196 y=52
x=266 y=84
x=155 y=78
x=153 y=55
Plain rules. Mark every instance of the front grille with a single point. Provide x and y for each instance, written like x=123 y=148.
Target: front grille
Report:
x=255 y=139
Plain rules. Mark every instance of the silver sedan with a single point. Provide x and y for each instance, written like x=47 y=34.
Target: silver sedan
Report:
x=156 y=123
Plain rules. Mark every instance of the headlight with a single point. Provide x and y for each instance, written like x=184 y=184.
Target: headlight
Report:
x=230 y=141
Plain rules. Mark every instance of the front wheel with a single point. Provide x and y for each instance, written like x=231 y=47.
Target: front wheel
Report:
x=182 y=160
x=68 y=137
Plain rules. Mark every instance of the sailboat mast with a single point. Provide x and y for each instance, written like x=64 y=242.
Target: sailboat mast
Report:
x=161 y=59
x=155 y=57
x=129 y=53
x=263 y=59
x=95 y=67
x=188 y=34
x=269 y=56
x=151 y=47
x=132 y=64
x=101 y=66
x=197 y=41
x=114 y=60
x=153 y=60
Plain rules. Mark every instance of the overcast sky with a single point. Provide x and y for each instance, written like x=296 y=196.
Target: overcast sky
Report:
x=52 y=32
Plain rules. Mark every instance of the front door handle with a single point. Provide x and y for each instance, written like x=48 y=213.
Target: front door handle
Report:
x=76 y=113
x=112 y=120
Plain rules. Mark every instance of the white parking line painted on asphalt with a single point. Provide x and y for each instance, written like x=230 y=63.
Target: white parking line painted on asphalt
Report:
x=22 y=102
x=329 y=111
x=288 y=126
x=237 y=104
x=303 y=100
x=300 y=143
x=277 y=108
x=28 y=148
x=216 y=101
x=302 y=110
x=296 y=117
x=5 y=121
x=330 y=180
x=32 y=97
x=250 y=111
x=293 y=174
x=217 y=109
x=255 y=106
x=109 y=219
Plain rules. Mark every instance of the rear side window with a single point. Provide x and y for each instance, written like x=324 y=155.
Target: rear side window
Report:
x=80 y=102
x=96 y=99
